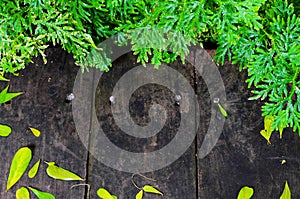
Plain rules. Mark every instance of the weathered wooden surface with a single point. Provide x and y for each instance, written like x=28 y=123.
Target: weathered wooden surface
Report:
x=177 y=180
x=43 y=106
x=241 y=156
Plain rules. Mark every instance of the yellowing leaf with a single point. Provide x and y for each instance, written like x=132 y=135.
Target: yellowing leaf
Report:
x=104 y=194
x=5 y=130
x=266 y=135
x=268 y=123
x=245 y=193
x=139 y=195
x=41 y=194
x=35 y=132
x=150 y=189
x=267 y=131
x=18 y=166
x=22 y=193
x=222 y=110
x=286 y=194
x=59 y=173
x=33 y=171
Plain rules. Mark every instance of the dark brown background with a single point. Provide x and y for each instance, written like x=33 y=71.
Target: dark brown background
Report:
x=241 y=156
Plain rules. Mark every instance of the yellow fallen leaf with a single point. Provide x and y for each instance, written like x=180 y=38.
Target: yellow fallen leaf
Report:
x=22 y=193
x=35 y=132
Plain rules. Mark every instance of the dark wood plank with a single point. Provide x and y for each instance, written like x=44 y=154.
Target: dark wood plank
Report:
x=242 y=156
x=43 y=106
x=177 y=180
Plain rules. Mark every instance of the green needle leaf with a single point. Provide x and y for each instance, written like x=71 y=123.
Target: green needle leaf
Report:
x=35 y=132
x=5 y=130
x=104 y=194
x=3 y=78
x=245 y=193
x=280 y=131
x=222 y=110
x=150 y=189
x=18 y=166
x=41 y=194
x=139 y=195
x=5 y=97
x=22 y=193
x=286 y=194
x=60 y=173
x=33 y=171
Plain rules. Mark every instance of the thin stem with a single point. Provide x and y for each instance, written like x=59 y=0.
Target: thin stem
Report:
x=88 y=190
x=147 y=178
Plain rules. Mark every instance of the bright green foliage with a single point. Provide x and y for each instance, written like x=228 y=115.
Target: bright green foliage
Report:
x=274 y=67
x=29 y=26
x=262 y=36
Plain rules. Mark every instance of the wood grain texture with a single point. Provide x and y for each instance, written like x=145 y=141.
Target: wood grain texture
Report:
x=43 y=106
x=241 y=156
x=178 y=180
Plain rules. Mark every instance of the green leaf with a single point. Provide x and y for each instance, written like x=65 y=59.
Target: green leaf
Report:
x=139 y=195
x=33 y=171
x=41 y=194
x=5 y=130
x=18 y=166
x=60 y=173
x=222 y=110
x=150 y=189
x=286 y=194
x=245 y=193
x=5 y=97
x=22 y=193
x=104 y=194
x=35 y=131
x=3 y=78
